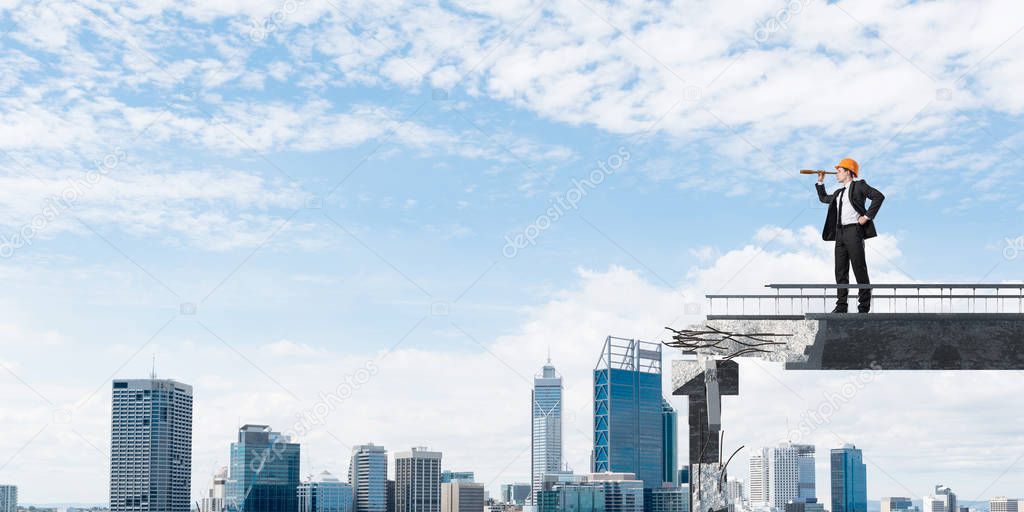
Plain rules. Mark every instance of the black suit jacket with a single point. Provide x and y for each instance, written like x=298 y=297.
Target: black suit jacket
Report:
x=859 y=191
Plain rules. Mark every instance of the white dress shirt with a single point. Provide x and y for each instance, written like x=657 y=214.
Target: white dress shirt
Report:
x=849 y=215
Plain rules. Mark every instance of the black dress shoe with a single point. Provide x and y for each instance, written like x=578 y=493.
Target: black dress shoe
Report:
x=840 y=309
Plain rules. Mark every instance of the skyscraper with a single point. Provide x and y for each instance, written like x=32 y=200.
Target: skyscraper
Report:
x=150 y=446
x=787 y=475
x=759 y=479
x=783 y=475
x=670 y=443
x=324 y=493
x=462 y=496
x=389 y=495
x=8 y=498
x=627 y=410
x=264 y=474
x=368 y=475
x=546 y=415
x=805 y=472
x=418 y=481
x=849 y=480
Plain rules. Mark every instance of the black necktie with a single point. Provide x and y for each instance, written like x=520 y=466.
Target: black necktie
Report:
x=839 y=218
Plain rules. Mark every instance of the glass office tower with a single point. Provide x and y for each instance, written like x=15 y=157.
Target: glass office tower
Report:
x=368 y=474
x=849 y=480
x=627 y=410
x=670 y=443
x=264 y=471
x=546 y=433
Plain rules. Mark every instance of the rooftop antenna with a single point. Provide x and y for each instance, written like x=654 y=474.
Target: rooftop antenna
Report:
x=549 y=354
x=152 y=372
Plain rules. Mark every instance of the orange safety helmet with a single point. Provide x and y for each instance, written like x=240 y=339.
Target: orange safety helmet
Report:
x=850 y=164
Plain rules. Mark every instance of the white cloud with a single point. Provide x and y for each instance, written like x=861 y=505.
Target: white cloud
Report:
x=468 y=401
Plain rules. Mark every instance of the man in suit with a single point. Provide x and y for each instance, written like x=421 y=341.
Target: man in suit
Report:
x=849 y=224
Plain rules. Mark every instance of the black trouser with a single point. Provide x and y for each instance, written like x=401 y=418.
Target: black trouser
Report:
x=850 y=250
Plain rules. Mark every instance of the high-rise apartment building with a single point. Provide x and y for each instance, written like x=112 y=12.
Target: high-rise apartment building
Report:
x=150 y=446
x=8 y=498
x=758 y=479
x=418 y=481
x=849 y=480
x=627 y=410
x=546 y=417
x=783 y=475
x=264 y=471
x=368 y=475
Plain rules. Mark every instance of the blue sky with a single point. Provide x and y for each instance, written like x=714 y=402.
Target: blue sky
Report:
x=333 y=184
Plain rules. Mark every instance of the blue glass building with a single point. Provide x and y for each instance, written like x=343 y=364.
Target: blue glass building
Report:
x=368 y=475
x=849 y=480
x=325 y=493
x=628 y=410
x=264 y=473
x=670 y=443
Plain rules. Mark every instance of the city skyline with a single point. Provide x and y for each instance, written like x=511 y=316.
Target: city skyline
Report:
x=371 y=221
x=796 y=461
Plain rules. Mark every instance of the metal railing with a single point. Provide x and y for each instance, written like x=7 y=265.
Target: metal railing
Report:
x=801 y=299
